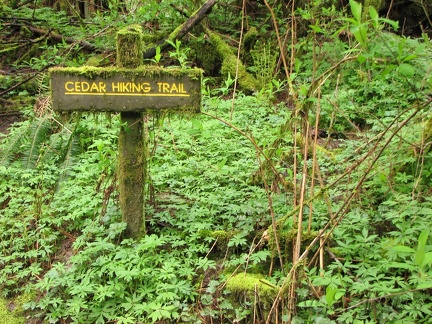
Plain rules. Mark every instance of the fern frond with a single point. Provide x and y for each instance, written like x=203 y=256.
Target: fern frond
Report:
x=39 y=134
x=42 y=82
x=68 y=155
x=10 y=145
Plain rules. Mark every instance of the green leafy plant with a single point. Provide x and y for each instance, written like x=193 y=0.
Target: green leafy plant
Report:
x=136 y=277
x=180 y=54
x=321 y=201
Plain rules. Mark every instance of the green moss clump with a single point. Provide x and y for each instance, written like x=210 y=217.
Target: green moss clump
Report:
x=230 y=63
x=95 y=60
x=221 y=236
x=206 y=57
x=229 y=66
x=247 y=285
x=92 y=72
x=11 y=311
x=250 y=38
x=130 y=46
x=377 y=4
x=286 y=238
x=427 y=133
x=152 y=39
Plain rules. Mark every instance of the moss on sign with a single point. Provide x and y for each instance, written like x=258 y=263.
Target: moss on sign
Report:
x=130 y=46
x=151 y=71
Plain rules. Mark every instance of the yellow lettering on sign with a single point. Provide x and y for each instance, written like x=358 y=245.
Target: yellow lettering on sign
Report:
x=131 y=87
x=94 y=87
x=136 y=87
x=102 y=87
x=115 y=86
x=145 y=87
x=164 y=89
x=85 y=87
x=181 y=88
x=173 y=88
x=69 y=86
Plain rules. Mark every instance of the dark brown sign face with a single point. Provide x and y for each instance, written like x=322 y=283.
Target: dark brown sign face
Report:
x=124 y=90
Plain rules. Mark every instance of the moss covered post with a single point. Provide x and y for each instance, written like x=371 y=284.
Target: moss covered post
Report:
x=132 y=160
x=133 y=90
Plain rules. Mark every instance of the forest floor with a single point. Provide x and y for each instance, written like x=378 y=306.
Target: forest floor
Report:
x=7 y=119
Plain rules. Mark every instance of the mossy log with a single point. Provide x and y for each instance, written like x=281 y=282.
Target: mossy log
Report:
x=230 y=64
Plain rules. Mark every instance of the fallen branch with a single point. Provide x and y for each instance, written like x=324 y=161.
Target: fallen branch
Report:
x=183 y=29
x=61 y=38
x=15 y=86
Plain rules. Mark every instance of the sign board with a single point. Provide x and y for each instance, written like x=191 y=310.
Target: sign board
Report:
x=142 y=89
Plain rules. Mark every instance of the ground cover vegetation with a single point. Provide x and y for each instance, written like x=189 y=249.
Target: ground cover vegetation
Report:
x=301 y=195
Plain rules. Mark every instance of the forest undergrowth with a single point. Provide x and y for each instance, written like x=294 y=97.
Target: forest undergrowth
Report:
x=305 y=201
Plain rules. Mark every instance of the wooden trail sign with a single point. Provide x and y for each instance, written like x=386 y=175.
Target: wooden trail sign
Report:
x=130 y=89
x=143 y=89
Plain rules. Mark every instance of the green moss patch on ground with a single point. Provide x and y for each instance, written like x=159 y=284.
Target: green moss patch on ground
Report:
x=10 y=313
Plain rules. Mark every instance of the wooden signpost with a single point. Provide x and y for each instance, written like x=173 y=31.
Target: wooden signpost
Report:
x=132 y=90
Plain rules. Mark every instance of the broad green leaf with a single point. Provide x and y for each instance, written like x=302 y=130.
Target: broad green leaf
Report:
x=425 y=285
x=373 y=14
x=428 y=258
x=310 y=303
x=421 y=249
x=158 y=55
x=330 y=295
x=407 y=70
x=402 y=248
x=394 y=24
x=361 y=58
x=410 y=57
x=221 y=164
x=315 y=28
x=197 y=123
x=356 y=10
x=401 y=265
x=360 y=34
x=339 y=294
x=423 y=237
